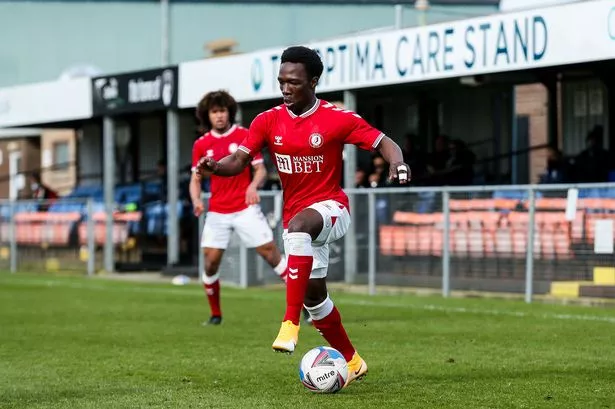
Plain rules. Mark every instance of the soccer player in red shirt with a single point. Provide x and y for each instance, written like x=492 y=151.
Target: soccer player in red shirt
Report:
x=306 y=138
x=234 y=201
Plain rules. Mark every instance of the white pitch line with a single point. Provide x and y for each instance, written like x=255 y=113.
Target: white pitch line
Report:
x=383 y=304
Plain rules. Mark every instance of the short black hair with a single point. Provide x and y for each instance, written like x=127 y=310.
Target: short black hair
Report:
x=220 y=99
x=306 y=56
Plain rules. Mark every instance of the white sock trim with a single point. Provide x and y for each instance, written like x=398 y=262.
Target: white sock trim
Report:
x=299 y=244
x=281 y=267
x=321 y=310
x=209 y=280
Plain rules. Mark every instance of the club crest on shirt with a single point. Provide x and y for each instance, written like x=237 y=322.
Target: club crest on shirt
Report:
x=232 y=147
x=316 y=140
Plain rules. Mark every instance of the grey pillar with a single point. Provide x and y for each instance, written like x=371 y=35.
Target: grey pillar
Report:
x=172 y=186
x=164 y=29
x=552 y=114
x=350 y=166
x=399 y=16
x=108 y=188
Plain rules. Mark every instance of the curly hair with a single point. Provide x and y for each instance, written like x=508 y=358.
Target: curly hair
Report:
x=306 y=56
x=213 y=99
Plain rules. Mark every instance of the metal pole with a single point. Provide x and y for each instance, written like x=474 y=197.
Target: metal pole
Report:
x=446 y=258
x=422 y=6
x=108 y=188
x=164 y=28
x=371 y=272
x=13 y=243
x=91 y=239
x=399 y=16
x=514 y=145
x=243 y=266
x=172 y=187
x=201 y=259
x=529 y=255
x=350 y=167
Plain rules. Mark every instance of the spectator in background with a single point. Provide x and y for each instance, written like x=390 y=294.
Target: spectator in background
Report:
x=557 y=168
x=415 y=159
x=161 y=173
x=460 y=164
x=41 y=192
x=380 y=172
x=360 y=178
x=437 y=161
x=592 y=165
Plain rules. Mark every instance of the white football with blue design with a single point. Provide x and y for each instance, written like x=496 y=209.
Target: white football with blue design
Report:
x=323 y=369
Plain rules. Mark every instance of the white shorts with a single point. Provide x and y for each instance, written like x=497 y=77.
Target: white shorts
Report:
x=250 y=224
x=336 y=221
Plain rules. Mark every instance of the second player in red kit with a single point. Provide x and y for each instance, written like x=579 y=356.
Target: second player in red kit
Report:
x=234 y=202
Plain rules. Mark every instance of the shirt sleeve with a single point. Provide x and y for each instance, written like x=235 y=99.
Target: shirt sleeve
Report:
x=258 y=159
x=197 y=154
x=257 y=137
x=359 y=132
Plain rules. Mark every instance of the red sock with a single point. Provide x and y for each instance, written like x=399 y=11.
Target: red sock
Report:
x=331 y=328
x=297 y=278
x=298 y=272
x=212 y=289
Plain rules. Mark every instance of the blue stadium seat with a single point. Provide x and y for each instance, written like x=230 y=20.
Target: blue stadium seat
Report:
x=514 y=194
x=156 y=216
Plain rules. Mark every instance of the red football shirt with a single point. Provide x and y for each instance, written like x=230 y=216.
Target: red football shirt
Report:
x=228 y=194
x=307 y=150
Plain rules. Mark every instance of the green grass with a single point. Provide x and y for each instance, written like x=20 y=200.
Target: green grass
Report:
x=93 y=343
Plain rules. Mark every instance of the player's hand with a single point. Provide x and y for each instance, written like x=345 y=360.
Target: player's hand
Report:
x=198 y=207
x=252 y=196
x=400 y=171
x=207 y=166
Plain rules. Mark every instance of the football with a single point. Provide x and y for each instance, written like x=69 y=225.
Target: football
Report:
x=324 y=370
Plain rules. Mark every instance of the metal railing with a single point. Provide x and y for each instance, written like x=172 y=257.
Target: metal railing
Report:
x=40 y=235
x=519 y=239
x=526 y=239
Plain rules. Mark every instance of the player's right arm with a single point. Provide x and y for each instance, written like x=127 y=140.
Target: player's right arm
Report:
x=195 y=194
x=195 y=180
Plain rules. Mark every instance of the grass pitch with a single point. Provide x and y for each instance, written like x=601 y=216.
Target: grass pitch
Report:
x=95 y=343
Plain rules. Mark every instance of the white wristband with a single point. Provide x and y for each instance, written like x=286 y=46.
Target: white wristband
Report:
x=404 y=172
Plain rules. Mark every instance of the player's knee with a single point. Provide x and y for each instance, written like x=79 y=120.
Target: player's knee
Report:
x=298 y=226
x=211 y=267
x=312 y=300
x=308 y=221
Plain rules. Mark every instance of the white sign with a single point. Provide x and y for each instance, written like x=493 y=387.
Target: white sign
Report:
x=603 y=237
x=44 y=103
x=571 y=204
x=572 y=33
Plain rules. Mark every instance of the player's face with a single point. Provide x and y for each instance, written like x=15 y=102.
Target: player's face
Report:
x=219 y=119
x=297 y=88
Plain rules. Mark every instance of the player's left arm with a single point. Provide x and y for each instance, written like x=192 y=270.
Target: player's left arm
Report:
x=392 y=154
x=362 y=134
x=258 y=180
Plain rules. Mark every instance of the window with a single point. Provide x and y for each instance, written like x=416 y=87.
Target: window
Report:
x=60 y=155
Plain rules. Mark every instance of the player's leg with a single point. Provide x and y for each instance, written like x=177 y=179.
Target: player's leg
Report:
x=302 y=229
x=216 y=235
x=277 y=261
x=325 y=315
x=271 y=254
x=328 y=321
x=253 y=229
x=211 y=283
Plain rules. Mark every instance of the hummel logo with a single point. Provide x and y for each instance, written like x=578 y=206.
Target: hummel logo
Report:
x=292 y=273
x=278 y=140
